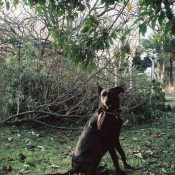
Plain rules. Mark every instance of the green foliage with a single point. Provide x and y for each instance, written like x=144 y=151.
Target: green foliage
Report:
x=146 y=100
x=143 y=28
x=7 y=4
x=152 y=43
x=141 y=65
x=81 y=50
x=31 y=84
x=154 y=105
x=157 y=12
x=77 y=52
x=79 y=47
x=22 y=81
x=169 y=45
x=91 y=37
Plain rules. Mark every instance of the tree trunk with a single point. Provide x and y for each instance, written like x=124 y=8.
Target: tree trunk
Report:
x=171 y=71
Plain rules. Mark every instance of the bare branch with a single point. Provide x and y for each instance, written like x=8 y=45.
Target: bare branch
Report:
x=45 y=113
x=23 y=121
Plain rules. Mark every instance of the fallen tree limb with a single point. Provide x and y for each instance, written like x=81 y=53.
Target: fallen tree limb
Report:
x=44 y=113
x=10 y=120
x=32 y=120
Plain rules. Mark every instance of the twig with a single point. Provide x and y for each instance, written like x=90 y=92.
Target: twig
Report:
x=126 y=110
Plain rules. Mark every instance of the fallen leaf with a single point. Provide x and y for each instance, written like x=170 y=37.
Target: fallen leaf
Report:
x=54 y=166
x=33 y=133
x=30 y=165
x=10 y=159
x=172 y=165
x=22 y=156
x=165 y=164
x=163 y=170
x=28 y=144
x=60 y=134
x=10 y=139
x=148 y=144
x=7 y=168
x=144 y=134
x=135 y=151
x=149 y=152
x=62 y=141
x=26 y=140
x=30 y=147
x=122 y=138
x=26 y=165
x=139 y=155
x=41 y=147
x=134 y=139
x=24 y=171
x=165 y=151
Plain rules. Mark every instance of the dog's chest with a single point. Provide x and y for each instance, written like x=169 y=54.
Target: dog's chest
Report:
x=111 y=124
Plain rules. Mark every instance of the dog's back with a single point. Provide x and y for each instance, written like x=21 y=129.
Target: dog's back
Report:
x=89 y=149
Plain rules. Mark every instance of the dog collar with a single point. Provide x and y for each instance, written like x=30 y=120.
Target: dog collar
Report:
x=102 y=114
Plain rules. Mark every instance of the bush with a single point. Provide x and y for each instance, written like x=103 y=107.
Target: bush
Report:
x=145 y=101
x=48 y=85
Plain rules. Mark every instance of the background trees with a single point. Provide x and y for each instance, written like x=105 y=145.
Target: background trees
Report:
x=55 y=51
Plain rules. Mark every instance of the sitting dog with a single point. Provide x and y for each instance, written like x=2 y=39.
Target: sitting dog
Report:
x=100 y=134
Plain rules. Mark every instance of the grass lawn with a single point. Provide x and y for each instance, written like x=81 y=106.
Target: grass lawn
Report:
x=170 y=99
x=150 y=148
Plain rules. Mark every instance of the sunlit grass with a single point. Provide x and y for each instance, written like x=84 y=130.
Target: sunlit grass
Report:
x=170 y=99
x=150 y=148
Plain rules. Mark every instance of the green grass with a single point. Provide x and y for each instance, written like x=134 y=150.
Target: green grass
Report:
x=150 y=148
x=170 y=99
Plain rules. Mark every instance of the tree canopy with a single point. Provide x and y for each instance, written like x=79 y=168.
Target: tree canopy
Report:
x=80 y=29
x=41 y=42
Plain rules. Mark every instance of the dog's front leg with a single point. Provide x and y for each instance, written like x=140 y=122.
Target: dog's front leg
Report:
x=115 y=161
x=122 y=154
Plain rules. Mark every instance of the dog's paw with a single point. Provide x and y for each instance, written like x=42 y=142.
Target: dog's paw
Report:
x=127 y=166
x=120 y=172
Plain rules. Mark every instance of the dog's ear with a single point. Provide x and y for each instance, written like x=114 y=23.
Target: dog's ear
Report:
x=119 y=89
x=99 y=89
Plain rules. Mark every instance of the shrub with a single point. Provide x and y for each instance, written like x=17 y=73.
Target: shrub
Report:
x=145 y=101
x=32 y=84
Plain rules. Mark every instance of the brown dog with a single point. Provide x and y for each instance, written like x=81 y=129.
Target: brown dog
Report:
x=100 y=134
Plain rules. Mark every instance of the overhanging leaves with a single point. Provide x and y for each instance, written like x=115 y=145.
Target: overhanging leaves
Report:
x=143 y=28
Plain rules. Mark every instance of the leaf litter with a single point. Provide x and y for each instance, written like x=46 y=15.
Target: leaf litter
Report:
x=149 y=149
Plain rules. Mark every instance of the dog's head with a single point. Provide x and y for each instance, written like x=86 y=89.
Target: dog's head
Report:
x=109 y=98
